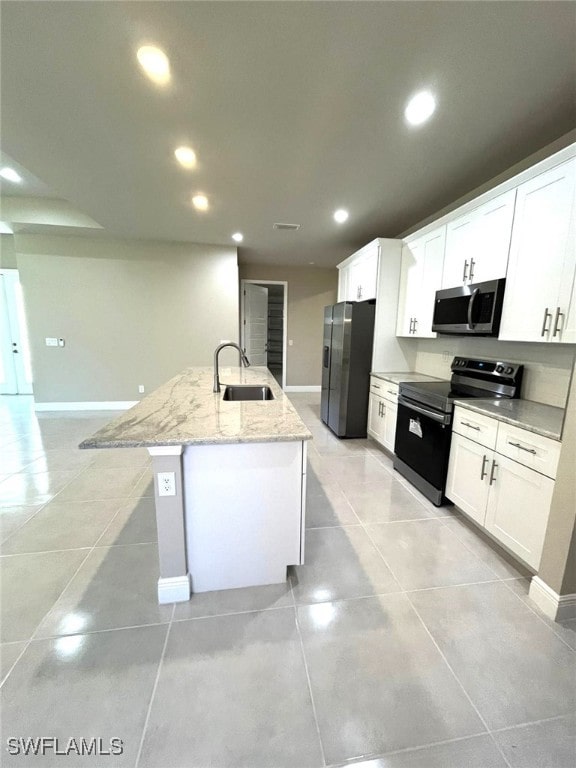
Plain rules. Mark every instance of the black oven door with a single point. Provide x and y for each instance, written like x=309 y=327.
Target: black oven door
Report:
x=422 y=446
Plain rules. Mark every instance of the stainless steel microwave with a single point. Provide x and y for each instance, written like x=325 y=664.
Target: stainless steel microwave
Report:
x=469 y=309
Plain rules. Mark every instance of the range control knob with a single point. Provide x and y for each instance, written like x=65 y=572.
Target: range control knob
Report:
x=499 y=369
x=509 y=370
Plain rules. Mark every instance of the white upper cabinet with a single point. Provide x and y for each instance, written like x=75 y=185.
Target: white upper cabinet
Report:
x=539 y=297
x=478 y=243
x=420 y=278
x=358 y=275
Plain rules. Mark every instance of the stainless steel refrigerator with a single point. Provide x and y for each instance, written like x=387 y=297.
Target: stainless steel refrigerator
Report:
x=346 y=362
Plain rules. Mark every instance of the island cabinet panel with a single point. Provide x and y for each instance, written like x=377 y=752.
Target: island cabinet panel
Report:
x=244 y=513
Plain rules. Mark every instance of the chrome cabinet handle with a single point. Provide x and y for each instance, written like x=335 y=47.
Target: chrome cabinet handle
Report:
x=472 y=264
x=556 y=319
x=465 y=273
x=411 y=321
x=465 y=423
x=546 y=316
x=376 y=386
x=391 y=392
x=415 y=323
x=492 y=475
x=483 y=472
x=517 y=445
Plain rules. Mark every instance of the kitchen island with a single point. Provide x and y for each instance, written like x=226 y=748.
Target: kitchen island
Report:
x=229 y=480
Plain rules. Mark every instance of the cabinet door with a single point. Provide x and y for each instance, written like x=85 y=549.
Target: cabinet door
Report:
x=564 y=326
x=367 y=272
x=390 y=417
x=431 y=279
x=540 y=253
x=460 y=250
x=410 y=282
x=376 y=416
x=343 y=281
x=518 y=508
x=493 y=228
x=467 y=484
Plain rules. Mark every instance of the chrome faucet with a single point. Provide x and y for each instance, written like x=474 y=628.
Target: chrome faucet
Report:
x=243 y=357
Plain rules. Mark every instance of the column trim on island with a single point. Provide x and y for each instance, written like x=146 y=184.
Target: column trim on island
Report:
x=174 y=581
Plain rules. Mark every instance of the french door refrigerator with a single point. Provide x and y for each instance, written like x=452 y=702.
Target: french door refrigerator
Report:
x=346 y=363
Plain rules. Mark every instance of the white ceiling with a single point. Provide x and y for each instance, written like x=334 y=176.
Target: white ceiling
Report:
x=294 y=109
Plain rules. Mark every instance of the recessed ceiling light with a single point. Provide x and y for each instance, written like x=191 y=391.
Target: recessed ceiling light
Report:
x=340 y=215
x=155 y=63
x=238 y=237
x=186 y=157
x=200 y=202
x=10 y=175
x=420 y=108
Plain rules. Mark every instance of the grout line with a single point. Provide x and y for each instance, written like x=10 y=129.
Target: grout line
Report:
x=536 y=613
x=551 y=719
x=233 y=613
x=95 y=631
x=309 y=686
x=457 y=679
x=157 y=678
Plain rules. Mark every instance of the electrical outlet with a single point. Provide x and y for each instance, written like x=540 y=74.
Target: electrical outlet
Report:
x=166 y=484
x=61 y=342
x=446 y=356
x=51 y=341
x=140 y=388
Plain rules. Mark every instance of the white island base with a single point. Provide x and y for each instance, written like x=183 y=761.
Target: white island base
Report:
x=237 y=519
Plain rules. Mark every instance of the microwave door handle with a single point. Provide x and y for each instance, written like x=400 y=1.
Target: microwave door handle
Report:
x=475 y=293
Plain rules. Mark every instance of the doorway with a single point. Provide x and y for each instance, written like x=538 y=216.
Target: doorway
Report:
x=263 y=324
x=15 y=365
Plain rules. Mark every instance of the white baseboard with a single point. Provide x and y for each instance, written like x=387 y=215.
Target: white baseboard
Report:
x=100 y=405
x=174 y=590
x=308 y=388
x=556 y=607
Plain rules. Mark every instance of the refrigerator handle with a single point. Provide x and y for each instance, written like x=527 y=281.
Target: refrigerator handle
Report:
x=326 y=356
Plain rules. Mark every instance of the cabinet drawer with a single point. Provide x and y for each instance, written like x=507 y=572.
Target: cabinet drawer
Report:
x=390 y=391
x=377 y=386
x=482 y=429
x=533 y=451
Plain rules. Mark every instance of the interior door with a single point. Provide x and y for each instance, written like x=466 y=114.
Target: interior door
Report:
x=15 y=366
x=256 y=323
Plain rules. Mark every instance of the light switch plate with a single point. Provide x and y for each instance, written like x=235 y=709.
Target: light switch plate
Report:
x=51 y=342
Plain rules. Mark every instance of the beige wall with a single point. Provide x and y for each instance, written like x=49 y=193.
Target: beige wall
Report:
x=558 y=564
x=7 y=252
x=309 y=291
x=130 y=312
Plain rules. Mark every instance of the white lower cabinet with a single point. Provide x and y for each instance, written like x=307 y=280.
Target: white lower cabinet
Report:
x=466 y=485
x=506 y=496
x=518 y=507
x=383 y=412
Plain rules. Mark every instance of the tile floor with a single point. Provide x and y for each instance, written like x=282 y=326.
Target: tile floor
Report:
x=406 y=641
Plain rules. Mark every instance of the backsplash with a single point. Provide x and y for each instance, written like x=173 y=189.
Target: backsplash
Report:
x=547 y=367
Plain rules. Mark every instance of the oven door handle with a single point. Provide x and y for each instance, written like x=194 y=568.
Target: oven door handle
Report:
x=441 y=418
x=475 y=293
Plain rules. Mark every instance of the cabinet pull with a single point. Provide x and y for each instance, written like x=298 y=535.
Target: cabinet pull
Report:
x=465 y=273
x=411 y=321
x=517 y=445
x=546 y=316
x=472 y=263
x=376 y=386
x=391 y=392
x=415 y=323
x=556 y=319
x=465 y=423
x=483 y=472
x=492 y=475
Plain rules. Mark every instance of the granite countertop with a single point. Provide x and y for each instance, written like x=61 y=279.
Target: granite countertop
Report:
x=185 y=411
x=397 y=377
x=535 y=417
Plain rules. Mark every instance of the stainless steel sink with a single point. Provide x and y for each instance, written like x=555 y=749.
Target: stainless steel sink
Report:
x=247 y=392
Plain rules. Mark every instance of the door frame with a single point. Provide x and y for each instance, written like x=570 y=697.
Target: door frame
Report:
x=11 y=287
x=285 y=317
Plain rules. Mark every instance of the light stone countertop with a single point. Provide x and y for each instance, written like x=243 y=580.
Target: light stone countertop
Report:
x=185 y=411
x=399 y=377
x=535 y=417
